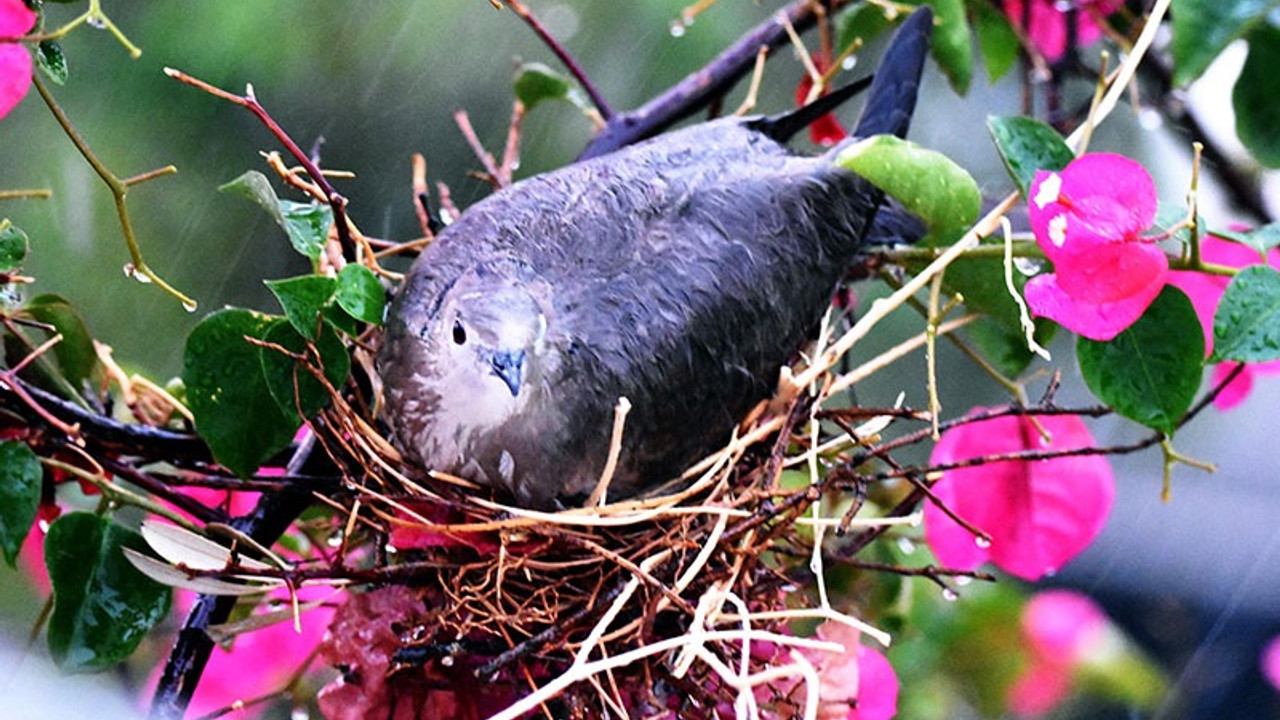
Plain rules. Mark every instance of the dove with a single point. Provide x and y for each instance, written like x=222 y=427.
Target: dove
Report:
x=680 y=273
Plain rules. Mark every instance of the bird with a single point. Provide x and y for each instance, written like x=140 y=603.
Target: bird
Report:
x=680 y=273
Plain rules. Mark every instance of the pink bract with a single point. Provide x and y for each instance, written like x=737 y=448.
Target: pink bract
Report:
x=1271 y=662
x=1048 y=26
x=15 y=59
x=1088 y=219
x=1040 y=514
x=1205 y=291
x=1061 y=628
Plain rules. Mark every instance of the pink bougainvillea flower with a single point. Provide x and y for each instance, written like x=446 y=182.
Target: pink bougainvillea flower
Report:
x=1270 y=661
x=1061 y=628
x=1048 y=27
x=857 y=684
x=1039 y=514
x=1205 y=291
x=1088 y=219
x=15 y=59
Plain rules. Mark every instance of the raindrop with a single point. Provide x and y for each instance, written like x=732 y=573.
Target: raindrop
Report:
x=391 y=549
x=447 y=661
x=1028 y=266
x=906 y=545
x=963 y=580
x=678 y=28
x=190 y=305
x=96 y=21
x=849 y=63
x=1150 y=119
x=334 y=540
x=1063 y=5
x=949 y=595
x=982 y=542
x=299 y=713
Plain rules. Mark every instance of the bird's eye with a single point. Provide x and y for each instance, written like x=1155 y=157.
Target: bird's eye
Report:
x=459 y=333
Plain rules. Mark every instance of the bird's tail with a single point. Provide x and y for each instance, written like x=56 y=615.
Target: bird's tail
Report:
x=892 y=98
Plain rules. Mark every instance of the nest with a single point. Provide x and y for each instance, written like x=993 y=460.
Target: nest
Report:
x=681 y=601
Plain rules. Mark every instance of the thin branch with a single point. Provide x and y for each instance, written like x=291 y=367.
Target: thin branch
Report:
x=565 y=58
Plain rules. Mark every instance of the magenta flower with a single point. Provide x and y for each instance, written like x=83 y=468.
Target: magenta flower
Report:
x=1088 y=220
x=1271 y=662
x=1062 y=628
x=1205 y=291
x=1048 y=27
x=1039 y=514
x=15 y=60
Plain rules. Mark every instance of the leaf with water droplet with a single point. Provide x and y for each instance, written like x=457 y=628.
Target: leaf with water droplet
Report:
x=1246 y=327
x=303 y=299
x=306 y=224
x=103 y=607
x=13 y=247
x=75 y=357
x=1262 y=239
x=235 y=412
x=1149 y=372
x=536 y=82
x=360 y=293
x=1027 y=145
x=20 y=477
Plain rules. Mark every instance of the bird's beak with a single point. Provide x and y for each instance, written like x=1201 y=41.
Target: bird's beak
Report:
x=509 y=365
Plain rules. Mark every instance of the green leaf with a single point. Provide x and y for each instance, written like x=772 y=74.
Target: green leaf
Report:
x=1203 y=28
x=283 y=374
x=103 y=607
x=864 y=22
x=1256 y=96
x=360 y=293
x=234 y=410
x=951 y=44
x=926 y=182
x=997 y=43
x=52 y=61
x=1006 y=348
x=1246 y=327
x=1150 y=372
x=1262 y=239
x=20 y=476
x=1027 y=145
x=76 y=356
x=13 y=248
x=306 y=224
x=536 y=82
x=303 y=299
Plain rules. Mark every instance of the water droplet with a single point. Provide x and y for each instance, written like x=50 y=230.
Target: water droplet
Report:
x=334 y=540
x=43 y=525
x=678 y=28
x=96 y=21
x=190 y=305
x=1050 y=572
x=849 y=63
x=1063 y=5
x=391 y=549
x=949 y=595
x=1028 y=266
x=299 y=713
x=1150 y=119
x=982 y=542
x=906 y=545
x=447 y=661
x=962 y=580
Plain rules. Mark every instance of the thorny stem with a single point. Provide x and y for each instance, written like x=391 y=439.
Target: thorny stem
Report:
x=247 y=101
x=119 y=189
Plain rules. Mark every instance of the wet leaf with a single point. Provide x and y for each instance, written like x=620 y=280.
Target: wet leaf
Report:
x=235 y=412
x=536 y=82
x=1150 y=372
x=294 y=388
x=103 y=606
x=20 y=476
x=1246 y=327
x=75 y=355
x=1254 y=96
x=1203 y=28
x=1027 y=145
x=13 y=248
x=360 y=294
x=306 y=224
x=925 y=181
x=303 y=299
x=52 y=61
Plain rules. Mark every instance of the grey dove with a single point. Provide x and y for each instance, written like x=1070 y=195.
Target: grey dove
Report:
x=680 y=273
